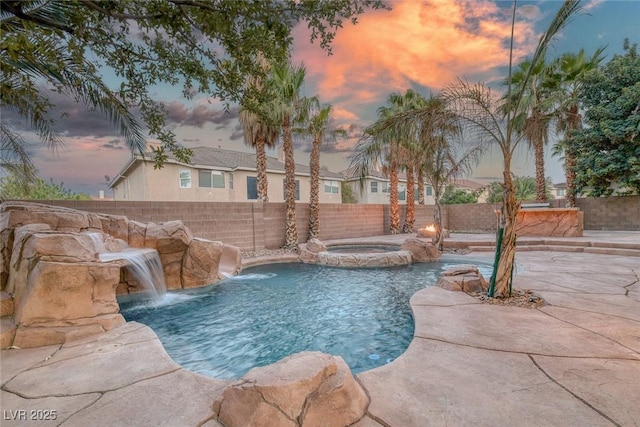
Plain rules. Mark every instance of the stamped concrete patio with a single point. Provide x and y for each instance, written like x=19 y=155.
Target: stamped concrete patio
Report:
x=574 y=361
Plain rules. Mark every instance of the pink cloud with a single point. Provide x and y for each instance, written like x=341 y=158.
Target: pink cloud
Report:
x=428 y=43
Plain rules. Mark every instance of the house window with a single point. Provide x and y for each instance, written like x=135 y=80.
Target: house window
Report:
x=385 y=187
x=210 y=179
x=231 y=181
x=252 y=188
x=560 y=192
x=374 y=186
x=402 y=192
x=185 y=179
x=331 y=187
x=284 y=189
x=428 y=190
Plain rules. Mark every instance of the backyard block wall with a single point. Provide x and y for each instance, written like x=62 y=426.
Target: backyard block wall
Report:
x=255 y=226
x=611 y=213
x=477 y=217
x=248 y=225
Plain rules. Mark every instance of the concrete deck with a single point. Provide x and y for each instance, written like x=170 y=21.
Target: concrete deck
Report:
x=573 y=362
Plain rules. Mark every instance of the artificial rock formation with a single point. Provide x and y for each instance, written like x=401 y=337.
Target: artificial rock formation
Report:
x=308 y=252
x=465 y=278
x=421 y=251
x=57 y=285
x=305 y=389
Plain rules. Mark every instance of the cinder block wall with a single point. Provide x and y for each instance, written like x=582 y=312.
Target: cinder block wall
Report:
x=254 y=226
x=250 y=226
x=423 y=216
x=478 y=217
x=611 y=213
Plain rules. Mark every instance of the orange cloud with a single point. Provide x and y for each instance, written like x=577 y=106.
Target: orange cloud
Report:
x=428 y=43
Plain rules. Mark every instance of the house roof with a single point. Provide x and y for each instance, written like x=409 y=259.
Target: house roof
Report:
x=349 y=174
x=465 y=183
x=218 y=158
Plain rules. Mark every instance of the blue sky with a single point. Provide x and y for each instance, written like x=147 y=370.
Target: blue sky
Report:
x=423 y=45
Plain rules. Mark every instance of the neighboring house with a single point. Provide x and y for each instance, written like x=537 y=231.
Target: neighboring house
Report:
x=472 y=187
x=215 y=175
x=375 y=188
x=559 y=191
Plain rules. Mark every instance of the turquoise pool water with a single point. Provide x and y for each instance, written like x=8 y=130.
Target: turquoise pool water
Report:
x=272 y=311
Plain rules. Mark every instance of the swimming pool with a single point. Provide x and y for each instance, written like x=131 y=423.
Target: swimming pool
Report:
x=272 y=311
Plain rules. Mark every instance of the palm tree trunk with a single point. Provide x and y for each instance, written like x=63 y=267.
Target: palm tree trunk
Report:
x=420 y=186
x=570 y=175
x=261 y=170
x=410 y=217
x=437 y=239
x=503 y=269
x=291 y=232
x=394 y=211
x=314 y=202
x=541 y=191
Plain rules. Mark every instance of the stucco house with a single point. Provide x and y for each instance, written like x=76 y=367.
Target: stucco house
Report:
x=376 y=188
x=218 y=175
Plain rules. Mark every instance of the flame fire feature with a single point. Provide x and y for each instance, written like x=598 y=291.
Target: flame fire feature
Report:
x=429 y=230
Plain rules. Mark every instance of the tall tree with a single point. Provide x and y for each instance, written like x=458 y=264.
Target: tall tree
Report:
x=608 y=148
x=536 y=106
x=387 y=145
x=569 y=71
x=318 y=127
x=258 y=128
x=286 y=106
x=482 y=112
x=206 y=47
x=410 y=154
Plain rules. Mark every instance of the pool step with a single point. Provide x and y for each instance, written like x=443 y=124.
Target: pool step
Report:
x=557 y=246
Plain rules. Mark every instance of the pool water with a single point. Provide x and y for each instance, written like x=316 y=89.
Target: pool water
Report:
x=272 y=311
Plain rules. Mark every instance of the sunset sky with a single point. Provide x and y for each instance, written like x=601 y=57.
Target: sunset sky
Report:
x=423 y=45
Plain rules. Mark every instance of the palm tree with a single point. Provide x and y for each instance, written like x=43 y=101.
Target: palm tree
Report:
x=437 y=149
x=318 y=128
x=409 y=154
x=568 y=73
x=481 y=111
x=285 y=83
x=385 y=144
x=535 y=114
x=259 y=131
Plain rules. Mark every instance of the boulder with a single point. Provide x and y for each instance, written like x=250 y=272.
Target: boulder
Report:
x=200 y=262
x=315 y=246
x=16 y=214
x=136 y=234
x=465 y=278
x=308 y=252
x=421 y=251
x=305 y=389
x=115 y=225
x=171 y=239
